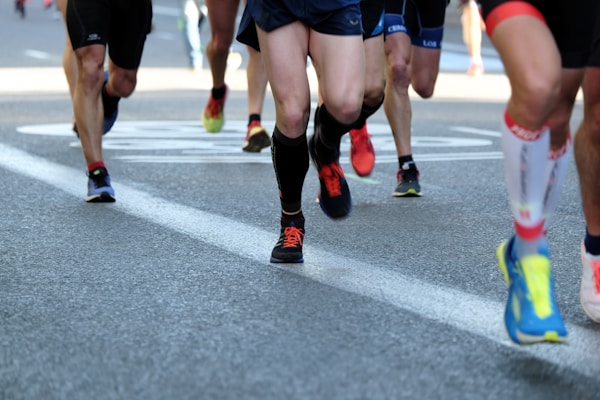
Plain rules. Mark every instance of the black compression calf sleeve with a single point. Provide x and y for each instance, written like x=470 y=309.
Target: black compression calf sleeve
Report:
x=290 y=161
x=331 y=130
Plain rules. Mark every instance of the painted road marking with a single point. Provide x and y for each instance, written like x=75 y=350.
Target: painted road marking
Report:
x=463 y=311
x=188 y=142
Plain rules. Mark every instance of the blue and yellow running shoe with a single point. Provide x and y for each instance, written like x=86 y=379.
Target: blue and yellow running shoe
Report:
x=531 y=314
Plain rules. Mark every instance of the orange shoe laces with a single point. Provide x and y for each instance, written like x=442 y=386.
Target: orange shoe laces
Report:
x=293 y=236
x=331 y=174
x=360 y=137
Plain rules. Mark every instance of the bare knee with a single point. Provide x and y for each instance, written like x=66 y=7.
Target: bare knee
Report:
x=123 y=83
x=345 y=110
x=90 y=77
x=594 y=129
x=219 y=44
x=534 y=101
x=90 y=67
x=294 y=119
x=424 y=90
x=399 y=75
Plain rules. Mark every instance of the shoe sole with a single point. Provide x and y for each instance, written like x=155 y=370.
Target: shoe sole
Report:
x=548 y=337
x=409 y=193
x=256 y=143
x=586 y=311
x=282 y=261
x=103 y=197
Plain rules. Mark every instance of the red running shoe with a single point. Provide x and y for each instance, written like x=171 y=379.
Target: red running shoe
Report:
x=362 y=153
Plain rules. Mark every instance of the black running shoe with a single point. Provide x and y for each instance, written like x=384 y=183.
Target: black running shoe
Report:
x=257 y=138
x=111 y=109
x=408 y=183
x=334 y=196
x=99 y=188
x=288 y=248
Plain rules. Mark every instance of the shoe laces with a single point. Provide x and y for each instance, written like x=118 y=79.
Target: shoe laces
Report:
x=361 y=143
x=537 y=275
x=407 y=175
x=331 y=174
x=98 y=176
x=360 y=137
x=292 y=236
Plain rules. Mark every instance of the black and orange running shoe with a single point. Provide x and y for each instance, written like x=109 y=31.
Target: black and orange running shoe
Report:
x=288 y=248
x=334 y=195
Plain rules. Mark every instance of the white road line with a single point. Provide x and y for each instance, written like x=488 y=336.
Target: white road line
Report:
x=208 y=157
x=40 y=55
x=462 y=311
x=476 y=131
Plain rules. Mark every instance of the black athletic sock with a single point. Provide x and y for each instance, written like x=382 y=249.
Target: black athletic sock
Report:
x=592 y=244
x=253 y=117
x=408 y=160
x=329 y=132
x=291 y=217
x=290 y=161
x=365 y=112
x=218 y=93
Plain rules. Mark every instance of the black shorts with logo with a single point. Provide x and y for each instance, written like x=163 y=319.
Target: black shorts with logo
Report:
x=121 y=25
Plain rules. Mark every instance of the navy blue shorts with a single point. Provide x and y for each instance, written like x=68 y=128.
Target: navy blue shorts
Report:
x=421 y=20
x=121 y=25
x=332 y=17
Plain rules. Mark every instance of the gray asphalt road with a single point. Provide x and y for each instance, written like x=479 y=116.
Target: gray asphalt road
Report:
x=168 y=293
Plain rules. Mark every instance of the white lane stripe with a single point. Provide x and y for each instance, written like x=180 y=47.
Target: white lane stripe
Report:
x=467 y=129
x=41 y=55
x=462 y=311
x=208 y=157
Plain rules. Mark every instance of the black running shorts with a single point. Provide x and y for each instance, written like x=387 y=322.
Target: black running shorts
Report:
x=570 y=21
x=121 y=25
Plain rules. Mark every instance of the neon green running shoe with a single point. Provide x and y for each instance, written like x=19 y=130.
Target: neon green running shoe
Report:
x=212 y=117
